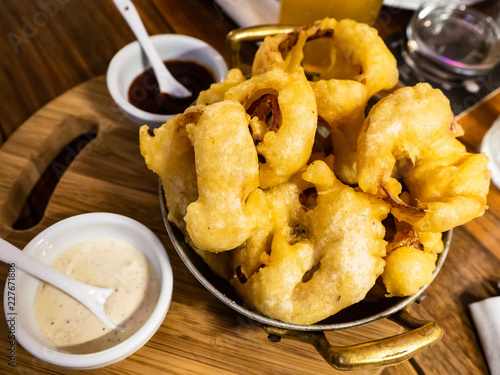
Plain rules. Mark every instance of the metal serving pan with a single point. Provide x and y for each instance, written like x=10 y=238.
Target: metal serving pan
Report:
x=420 y=334
x=388 y=351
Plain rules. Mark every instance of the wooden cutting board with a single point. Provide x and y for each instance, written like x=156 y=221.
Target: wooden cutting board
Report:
x=200 y=335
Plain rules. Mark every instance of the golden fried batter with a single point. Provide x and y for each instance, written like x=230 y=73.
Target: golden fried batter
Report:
x=411 y=260
x=410 y=135
x=349 y=63
x=407 y=270
x=227 y=172
x=285 y=148
x=354 y=52
x=331 y=264
x=170 y=155
x=216 y=91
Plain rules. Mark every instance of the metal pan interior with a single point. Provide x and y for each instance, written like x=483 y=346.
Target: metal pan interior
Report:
x=355 y=315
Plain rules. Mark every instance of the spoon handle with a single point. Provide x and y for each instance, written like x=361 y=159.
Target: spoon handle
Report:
x=166 y=81
x=92 y=297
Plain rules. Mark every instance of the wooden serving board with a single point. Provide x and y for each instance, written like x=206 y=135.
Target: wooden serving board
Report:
x=199 y=335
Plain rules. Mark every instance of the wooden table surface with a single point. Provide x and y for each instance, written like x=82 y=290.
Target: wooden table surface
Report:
x=54 y=55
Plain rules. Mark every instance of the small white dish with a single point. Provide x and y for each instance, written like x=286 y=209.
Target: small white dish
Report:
x=130 y=61
x=46 y=247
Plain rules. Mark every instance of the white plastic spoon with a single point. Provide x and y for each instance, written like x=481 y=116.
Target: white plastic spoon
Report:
x=90 y=296
x=166 y=81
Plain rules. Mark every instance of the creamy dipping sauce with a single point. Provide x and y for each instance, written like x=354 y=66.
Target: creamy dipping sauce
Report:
x=105 y=263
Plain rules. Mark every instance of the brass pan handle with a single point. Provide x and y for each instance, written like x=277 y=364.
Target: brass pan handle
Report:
x=250 y=34
x=385 y=352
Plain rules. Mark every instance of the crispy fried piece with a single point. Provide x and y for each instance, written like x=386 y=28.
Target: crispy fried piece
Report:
x=411 y=124
x=216 y=91
x=407 y=270
x=227 y=173
x=410 y=135
x=349 y=63
x=281 y=211
x=354 y=51
x=340 y=101
x=170 y=155
x=328 y=262
x=432 y=242
x=451 y=192
x=363 y=49
x=341 y=104
x=411 y=260
x=284 y=145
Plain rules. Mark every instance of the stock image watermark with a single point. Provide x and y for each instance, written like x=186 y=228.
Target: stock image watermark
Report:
x=30 y=26
x=11 y=315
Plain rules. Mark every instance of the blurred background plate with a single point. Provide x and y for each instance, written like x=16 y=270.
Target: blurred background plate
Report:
x=403 y=4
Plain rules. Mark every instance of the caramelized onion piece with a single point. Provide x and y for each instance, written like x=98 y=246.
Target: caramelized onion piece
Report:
x=265 y=105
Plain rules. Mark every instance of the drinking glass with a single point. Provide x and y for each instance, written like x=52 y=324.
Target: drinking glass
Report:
x=454 y=40
x=303 y=12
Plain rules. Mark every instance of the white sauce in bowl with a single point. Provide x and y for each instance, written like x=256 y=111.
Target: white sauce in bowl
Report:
x=106 y=263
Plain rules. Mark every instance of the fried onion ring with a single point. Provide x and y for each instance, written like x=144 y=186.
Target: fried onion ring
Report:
x=356 y=52
x=356 y=65
x=285 y=146
x=412 y=132
x=216 y=91
x=170 y=155
x=329 y=263
x=227 y=172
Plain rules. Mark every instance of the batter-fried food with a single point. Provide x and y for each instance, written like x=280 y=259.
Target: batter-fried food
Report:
x=281 y=222
x=227 y=172
x=349 y=63
x=340 y=101
x=410 y=261
x=411 y=135
x=407 y=269
x=321 y=259
x=216 y=91
x=285 y=143
x=354 y=51
x=341 y=104
x=170 y=155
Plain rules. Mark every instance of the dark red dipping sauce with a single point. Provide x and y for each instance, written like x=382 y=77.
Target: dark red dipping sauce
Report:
x=145 y=94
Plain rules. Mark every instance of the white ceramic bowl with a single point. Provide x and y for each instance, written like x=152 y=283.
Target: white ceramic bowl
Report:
x=130 y=61
x=46 y=247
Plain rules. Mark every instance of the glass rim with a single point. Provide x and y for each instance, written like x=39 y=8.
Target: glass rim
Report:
x=416 y=45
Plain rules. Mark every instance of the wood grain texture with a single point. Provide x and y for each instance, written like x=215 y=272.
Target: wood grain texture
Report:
x=51 y=46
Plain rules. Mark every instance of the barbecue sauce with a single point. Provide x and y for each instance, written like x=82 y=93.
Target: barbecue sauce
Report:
x=144 y=92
